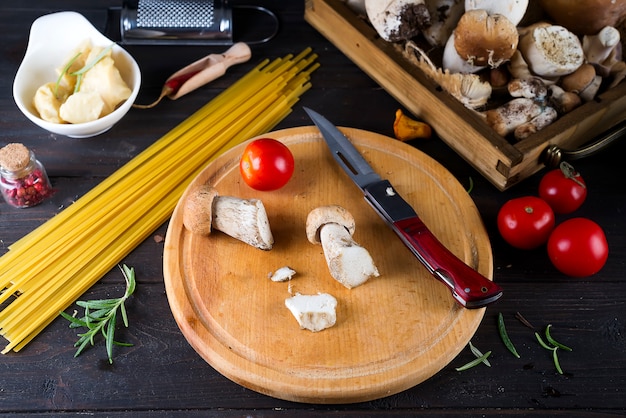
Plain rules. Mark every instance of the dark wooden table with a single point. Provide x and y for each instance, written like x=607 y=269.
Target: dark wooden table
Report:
x=162 y=375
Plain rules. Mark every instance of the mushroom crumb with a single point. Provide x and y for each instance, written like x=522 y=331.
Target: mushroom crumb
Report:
x=282 y=274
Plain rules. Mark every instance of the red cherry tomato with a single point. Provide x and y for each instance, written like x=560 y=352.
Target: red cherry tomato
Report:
x=578 y=247
x=563 y=188
x=266 y=164
x=526 y=222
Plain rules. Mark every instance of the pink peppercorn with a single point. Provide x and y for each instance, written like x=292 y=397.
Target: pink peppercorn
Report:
x=23 y=179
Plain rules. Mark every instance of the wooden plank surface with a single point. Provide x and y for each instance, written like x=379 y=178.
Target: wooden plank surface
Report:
x=392 y=332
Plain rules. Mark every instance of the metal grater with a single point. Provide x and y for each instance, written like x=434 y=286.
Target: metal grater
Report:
x=176 y=21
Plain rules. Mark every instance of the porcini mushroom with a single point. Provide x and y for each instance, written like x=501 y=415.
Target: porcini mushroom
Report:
x=551 y=50
x=585 y=17
x=583 y=82
x=468 y=89
x=397 y=20
x=348 y=262
x=243 y=219
x=514 y=10
x=444 y=16
x=481 y=40
x=598 y=47
x=561 y=100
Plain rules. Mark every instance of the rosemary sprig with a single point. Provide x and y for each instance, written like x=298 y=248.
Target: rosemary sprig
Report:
x=480 y=358
x=505 y=336
x=101 y=317
x=554 y=348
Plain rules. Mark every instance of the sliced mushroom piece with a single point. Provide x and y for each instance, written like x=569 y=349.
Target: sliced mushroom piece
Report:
x=514 y=10
x=551 y=50
x=545 y=118
x=397 y=20
x=506 y=118
x=313 y=312
x=531 y=88
x=243 y=219
x=348 y=262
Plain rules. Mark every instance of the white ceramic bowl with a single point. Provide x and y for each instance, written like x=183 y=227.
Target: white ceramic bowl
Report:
x=53 y=38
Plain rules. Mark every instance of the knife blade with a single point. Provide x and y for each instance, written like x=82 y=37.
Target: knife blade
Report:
x=469 y=288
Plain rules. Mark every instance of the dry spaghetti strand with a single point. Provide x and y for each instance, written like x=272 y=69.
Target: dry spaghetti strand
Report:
x=48 y=269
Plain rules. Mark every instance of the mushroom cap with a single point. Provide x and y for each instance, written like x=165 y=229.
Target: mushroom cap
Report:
x=585 y=17
x=323 y=215
x=551 y=50
x=514 y=10
x=397 y=20
x=485 y=39
x=198 y=209
x=579 y=79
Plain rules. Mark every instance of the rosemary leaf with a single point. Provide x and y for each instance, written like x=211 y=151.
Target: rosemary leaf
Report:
x=101 y=317
x=474 y=362
x=542 y=342
x=505 y=336
x=478 y=354
x=553 y=341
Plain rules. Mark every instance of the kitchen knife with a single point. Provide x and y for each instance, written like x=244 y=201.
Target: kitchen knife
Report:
x=468 y=287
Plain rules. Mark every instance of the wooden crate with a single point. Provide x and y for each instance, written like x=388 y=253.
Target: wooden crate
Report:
x=502 y=162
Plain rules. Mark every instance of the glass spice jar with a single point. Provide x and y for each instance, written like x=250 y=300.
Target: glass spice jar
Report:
x=23 y=179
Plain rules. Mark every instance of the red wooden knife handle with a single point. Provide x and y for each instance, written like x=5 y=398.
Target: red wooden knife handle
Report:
x=469 y=288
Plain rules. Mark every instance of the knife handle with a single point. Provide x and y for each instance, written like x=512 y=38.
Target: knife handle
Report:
x=469 y=288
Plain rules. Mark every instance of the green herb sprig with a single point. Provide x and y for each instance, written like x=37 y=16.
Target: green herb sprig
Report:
x=480 y=358
x=555 y=346
x=101 y=317
x=505 y=336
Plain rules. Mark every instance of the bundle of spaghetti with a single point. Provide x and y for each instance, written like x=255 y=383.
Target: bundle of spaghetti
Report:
x=52 y=266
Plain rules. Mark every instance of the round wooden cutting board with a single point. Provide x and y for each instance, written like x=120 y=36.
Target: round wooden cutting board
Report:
x=392 y=333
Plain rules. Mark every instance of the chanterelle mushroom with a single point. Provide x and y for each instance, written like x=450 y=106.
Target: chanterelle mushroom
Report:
x=243 y=219
x=348 y=262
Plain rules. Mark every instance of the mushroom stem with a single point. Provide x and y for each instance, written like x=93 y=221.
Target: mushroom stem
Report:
x=243 y=219
x=598 y=47
x=348 y=262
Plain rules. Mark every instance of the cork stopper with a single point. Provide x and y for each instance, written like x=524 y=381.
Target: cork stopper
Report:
x=14 y=157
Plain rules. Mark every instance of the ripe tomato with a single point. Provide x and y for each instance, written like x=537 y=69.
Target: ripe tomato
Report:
x=526 y=222
x=563 y=188
x=266 y=164
x=578 y=247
